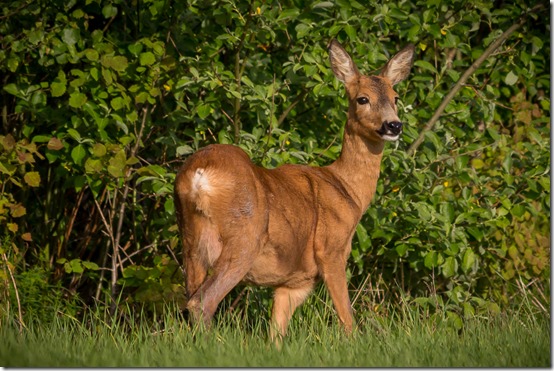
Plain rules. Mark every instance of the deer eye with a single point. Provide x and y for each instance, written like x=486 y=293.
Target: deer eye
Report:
x=362 y=100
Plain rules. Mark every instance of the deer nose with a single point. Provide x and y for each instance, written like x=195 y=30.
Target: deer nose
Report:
x=394 y=127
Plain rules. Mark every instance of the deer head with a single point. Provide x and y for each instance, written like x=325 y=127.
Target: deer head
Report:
x=372 y=100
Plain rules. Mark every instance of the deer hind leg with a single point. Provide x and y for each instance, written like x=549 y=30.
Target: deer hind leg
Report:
x=200 y=254
x=285 y=301
x=235 y=260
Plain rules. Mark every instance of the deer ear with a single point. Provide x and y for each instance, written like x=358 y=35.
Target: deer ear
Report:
x=343 y=67
x=398 y=68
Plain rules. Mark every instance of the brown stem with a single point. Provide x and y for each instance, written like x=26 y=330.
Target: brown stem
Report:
x=474 y=66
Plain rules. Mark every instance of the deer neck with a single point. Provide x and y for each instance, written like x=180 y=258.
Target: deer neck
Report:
x=359 y=164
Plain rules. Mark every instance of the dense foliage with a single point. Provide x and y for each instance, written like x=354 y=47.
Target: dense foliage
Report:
x=103 y=100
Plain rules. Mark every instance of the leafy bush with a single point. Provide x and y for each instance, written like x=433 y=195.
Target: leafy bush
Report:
x=103 y=100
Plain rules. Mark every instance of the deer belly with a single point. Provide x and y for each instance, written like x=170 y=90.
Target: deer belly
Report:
x=274 y=267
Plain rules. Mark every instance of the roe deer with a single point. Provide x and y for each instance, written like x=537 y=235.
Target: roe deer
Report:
x=287 y=227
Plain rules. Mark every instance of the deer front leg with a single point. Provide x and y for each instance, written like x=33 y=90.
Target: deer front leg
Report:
x=334 y=276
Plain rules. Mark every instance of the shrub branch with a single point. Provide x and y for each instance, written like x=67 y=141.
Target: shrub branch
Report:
x=461 y=82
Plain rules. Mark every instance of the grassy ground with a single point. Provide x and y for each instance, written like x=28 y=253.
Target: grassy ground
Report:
x=401 y=340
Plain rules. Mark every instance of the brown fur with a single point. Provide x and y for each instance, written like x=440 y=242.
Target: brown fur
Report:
x=291 y=226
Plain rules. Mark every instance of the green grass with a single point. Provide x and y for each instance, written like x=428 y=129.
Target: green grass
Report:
x=399 y=339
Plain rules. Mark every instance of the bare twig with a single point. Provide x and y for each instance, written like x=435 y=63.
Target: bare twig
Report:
x=62 y=246
x=236 y=301
x=360 y=290
x=123 y=204
x=109 y=23
x=106 y=224
x=285 y=113
x=21 y=322
x=461 y=82
x=17 y=10
x=175 y=258
x=129 y=256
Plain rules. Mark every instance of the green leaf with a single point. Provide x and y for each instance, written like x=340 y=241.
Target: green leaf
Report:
x=204 y=110
x=477 y=163
x=76 y=100
x=99 y=150
x=90 y=265
x=91 y=54
x=454 y=75
x=476 y=232
x=71 y=36
x=302 y=30
x=351 y=32
x=423 y=211
x=78 y=154
x=518 y=210
x=455 y=320
x=468 y=260
x=76 y=266
x=17 y=211
x=363 y=238
x=94 y=73
x=93 y=166
x=184 y=150
x=507 y=163
x=117 y=103
x=12 y=89
x=324 y=4
x=116 y=165
x=13 y=63
x=511 y=78
x=35 y=36
x=38 y=98
x=135 y=48
x=107 y=75
x=169 y=206
x=32 y=178
x=431 y=259
x=58 y=88
x=109 y=11
x=118 y=63
x=449 y=267
x=447 y=209
x=288 y=13
x=74 y=134
x=147 y=59
x=425 y=65
x=401 y=249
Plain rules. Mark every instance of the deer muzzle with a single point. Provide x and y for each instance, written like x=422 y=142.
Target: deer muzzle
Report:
x=390 y=130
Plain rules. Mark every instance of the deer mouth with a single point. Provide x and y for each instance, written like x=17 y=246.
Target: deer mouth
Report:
x=390 y=131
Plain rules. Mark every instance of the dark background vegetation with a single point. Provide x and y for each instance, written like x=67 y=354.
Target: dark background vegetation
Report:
x=101 y=101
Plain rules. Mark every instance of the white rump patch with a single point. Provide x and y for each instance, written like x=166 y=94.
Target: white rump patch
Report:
x=201 y=182
x=201 y=191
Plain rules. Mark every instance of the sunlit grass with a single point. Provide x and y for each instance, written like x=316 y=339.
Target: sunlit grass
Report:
x=398 y=339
